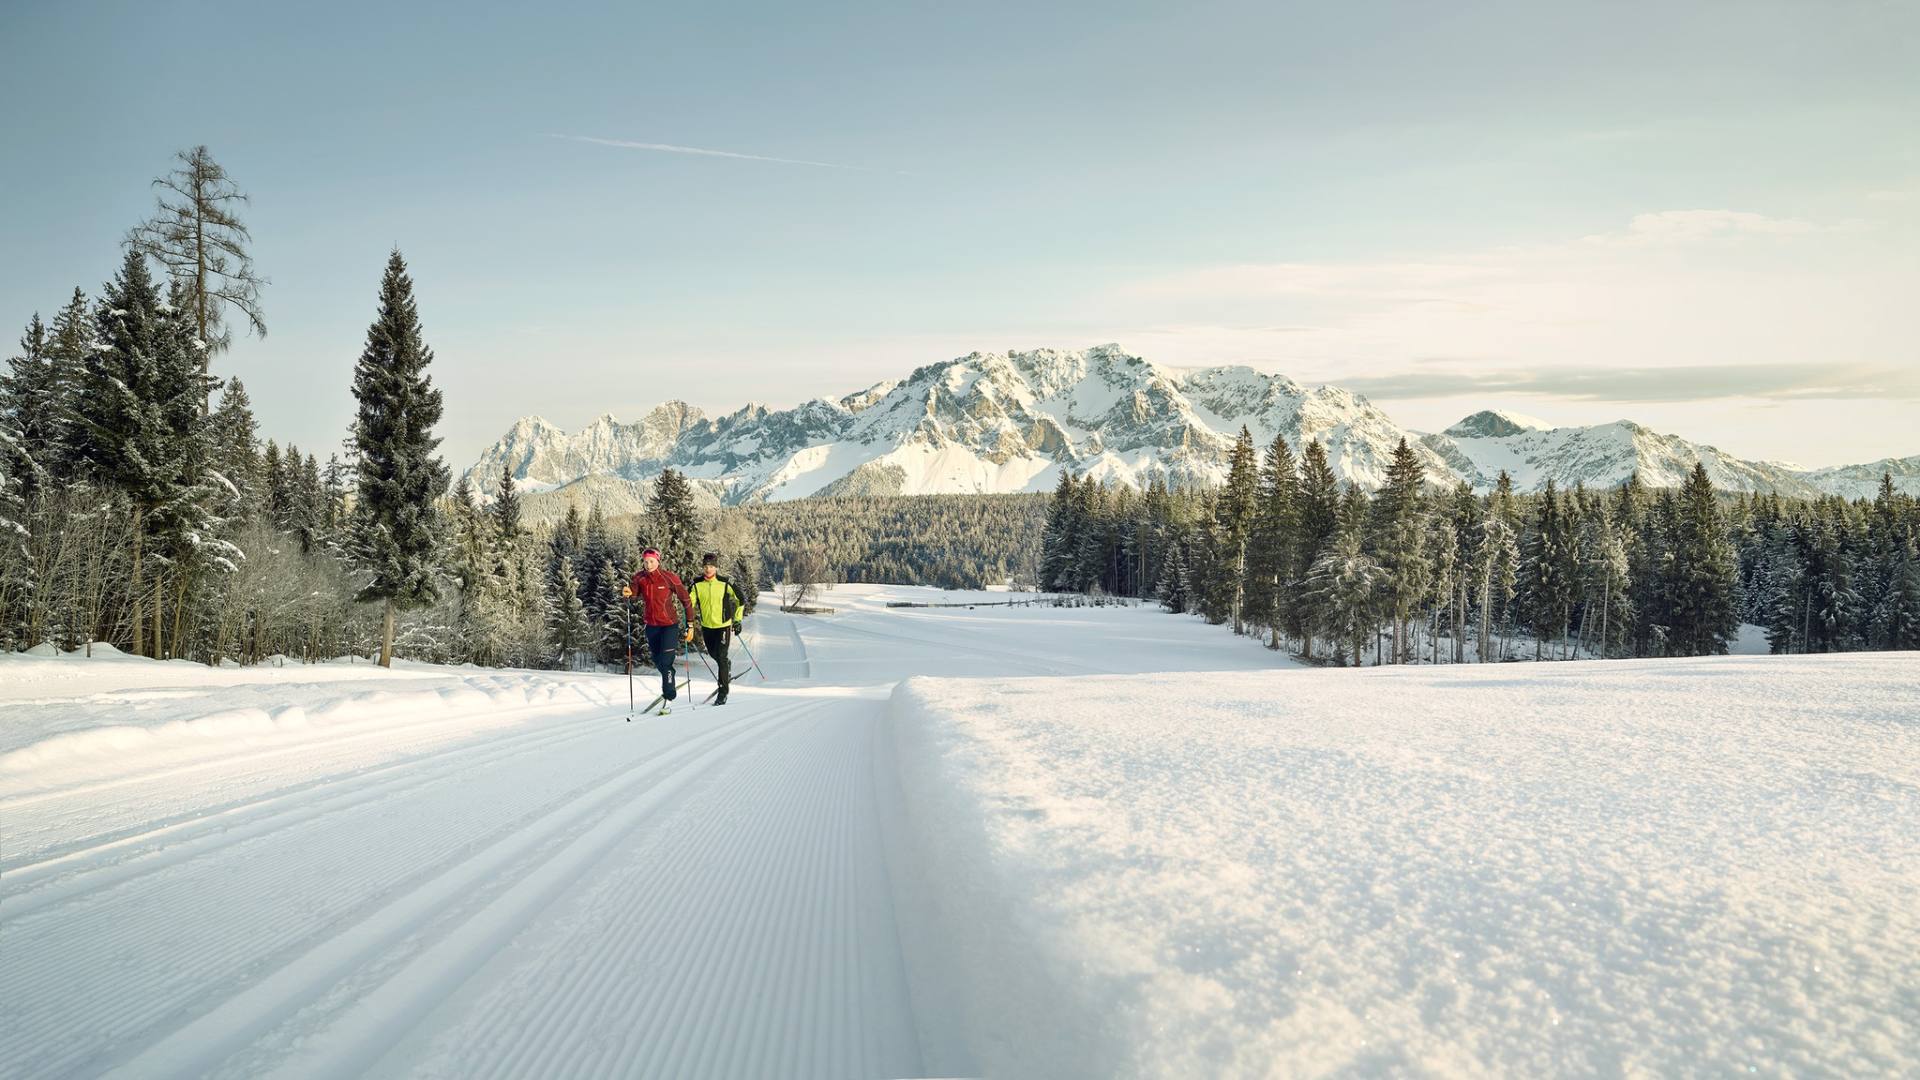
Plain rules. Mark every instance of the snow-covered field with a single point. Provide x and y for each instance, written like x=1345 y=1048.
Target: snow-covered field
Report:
x=1648 y=868
x=1085 y=842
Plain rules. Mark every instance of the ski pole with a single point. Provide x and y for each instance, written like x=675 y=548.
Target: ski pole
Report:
x=741 y=637
x=629 y=591
x=688 y=661
x=708 y=664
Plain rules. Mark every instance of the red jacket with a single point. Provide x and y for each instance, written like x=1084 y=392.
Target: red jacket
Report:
x=656 y=591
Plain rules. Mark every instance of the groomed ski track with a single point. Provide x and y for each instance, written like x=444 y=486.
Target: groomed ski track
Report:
x=516 y=886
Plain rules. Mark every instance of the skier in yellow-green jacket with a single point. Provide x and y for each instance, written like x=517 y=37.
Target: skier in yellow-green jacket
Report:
x=721 y=613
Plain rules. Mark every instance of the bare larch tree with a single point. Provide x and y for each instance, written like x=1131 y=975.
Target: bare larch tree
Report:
x=197 y=235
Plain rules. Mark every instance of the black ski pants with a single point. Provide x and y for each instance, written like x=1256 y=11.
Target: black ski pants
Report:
x=662 y=642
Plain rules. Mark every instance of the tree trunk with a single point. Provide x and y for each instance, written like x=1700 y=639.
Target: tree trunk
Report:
x=1460 y=621
x=1605 y=603
x=139 y=629
x=180 y=611
x=1486 y=615
x=386 y=637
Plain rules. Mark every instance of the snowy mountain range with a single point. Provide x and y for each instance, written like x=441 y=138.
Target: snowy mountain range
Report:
x=1003 y=422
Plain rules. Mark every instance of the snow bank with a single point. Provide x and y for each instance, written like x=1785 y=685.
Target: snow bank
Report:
x=175 y=713
x=1638 y=868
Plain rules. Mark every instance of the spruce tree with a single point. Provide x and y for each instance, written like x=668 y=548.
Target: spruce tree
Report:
x=672 y=524
x=1270 y=548
x=28 y=422
x=568 y=631
x=1544 y=589
x=1496 y=564
x=1399 y=536
x=1318 y=522
x=1343 y=586
x=1605 y=574
x=136 y=428
x=1173 y=592
x=1060 y=542
x=616 y=620
x=1463 y=520
x=1898 y=615
x=506 y=507
x=1233 y=523
x=1701 y=572
x=235 y=461
x=398 y=474
x=71 y=341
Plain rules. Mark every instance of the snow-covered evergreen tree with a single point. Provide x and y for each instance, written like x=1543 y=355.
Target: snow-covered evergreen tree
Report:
x=1702 y=572
x=1270 y=548
x=568 y=631
x=1344 y=587
x=1398 y=531
x=398 y=474
x=672 y=524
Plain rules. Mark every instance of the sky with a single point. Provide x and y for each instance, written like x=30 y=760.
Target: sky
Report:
x=1701 y=216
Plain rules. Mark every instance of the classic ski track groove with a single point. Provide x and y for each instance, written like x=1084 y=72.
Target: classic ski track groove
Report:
x=746 y=951
x=196 y=833
x=313 y=944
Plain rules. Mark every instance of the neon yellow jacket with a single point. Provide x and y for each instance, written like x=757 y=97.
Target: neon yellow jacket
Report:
x=717 y=604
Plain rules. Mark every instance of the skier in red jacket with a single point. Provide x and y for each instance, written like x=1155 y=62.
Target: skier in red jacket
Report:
x=657 y=587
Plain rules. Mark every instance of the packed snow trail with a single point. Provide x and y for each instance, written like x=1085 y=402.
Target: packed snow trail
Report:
x=337 y=871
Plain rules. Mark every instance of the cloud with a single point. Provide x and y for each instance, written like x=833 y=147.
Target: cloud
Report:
x=670 y=148
x=1674 y=305
x=1692 y=226
x=1672 y=383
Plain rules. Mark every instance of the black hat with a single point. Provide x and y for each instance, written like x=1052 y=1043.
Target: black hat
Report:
x=711 y=558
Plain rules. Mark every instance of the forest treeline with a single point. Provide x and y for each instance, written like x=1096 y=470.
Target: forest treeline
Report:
x=1415 y=574
x=141 y=507
x=948 y=541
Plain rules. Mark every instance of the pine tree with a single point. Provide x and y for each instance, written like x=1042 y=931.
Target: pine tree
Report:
x=1605 y=573
x=1239 y=505
x=1173 y=592
x=136 y=428
x=616 y=621
x=1444 y=553
x=71 y=341
x=1463 y=521
x=1701 y=571
x=235 y=462
x=568 y=631
x=1544 y=588
x=1319 y=521
x=398 y=474
x=1898 y=615
x=1399 y=542
x=673 y=522
x=273 y=483
x=28 y=422
x=1344 y=588
x=1270 y=548
x=1060 y=542
x=506 y=506
x=1496 y=562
